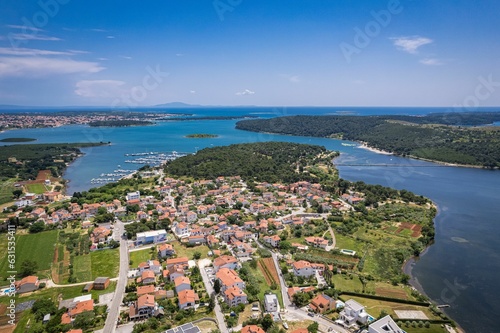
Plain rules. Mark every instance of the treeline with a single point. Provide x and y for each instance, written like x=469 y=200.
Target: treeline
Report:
x=119 y=123
x=264 y=161
x=402 y=135
x=32 y=158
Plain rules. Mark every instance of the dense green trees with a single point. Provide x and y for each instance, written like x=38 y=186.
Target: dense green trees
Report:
x=263 y=161
x=429 y=137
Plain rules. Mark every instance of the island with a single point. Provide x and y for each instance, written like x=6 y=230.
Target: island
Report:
x=201 y=136
x=231 y=231
x=452 y=138
x=17 y=140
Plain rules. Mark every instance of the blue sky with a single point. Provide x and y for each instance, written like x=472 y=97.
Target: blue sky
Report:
x=250 y=52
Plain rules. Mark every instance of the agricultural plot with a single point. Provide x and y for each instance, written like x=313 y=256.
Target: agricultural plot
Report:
x=38 y=247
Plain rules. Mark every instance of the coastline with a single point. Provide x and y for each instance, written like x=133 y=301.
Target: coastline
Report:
x=365 y=146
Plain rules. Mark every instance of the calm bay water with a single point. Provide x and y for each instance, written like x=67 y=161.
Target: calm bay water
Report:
x=462 y=267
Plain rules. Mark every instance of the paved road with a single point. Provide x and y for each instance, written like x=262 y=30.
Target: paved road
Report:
x=114 y=310
x=294 y=313
x=210 y=290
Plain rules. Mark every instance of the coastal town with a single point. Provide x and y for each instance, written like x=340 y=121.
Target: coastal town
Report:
x=207 y=255
x=20 y=119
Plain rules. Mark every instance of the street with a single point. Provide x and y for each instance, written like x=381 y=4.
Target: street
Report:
x=114 y=310
x=210 y=290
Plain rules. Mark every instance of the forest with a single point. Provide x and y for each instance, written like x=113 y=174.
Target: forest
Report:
x=439 y=137
x=32 y=158
x=263 y=161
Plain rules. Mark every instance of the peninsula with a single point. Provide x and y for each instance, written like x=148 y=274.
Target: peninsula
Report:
x=454 y=138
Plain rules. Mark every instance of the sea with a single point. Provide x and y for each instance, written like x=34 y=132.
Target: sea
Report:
x=461 y=269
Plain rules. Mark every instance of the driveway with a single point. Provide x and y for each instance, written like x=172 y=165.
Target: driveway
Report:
x=210 y=290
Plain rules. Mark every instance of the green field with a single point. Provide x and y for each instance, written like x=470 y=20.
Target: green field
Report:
x=105 y=263
x=136 y=257
x=184 y=251
x=54 y=293
x=36 y=188
x=6 y=189
x=99 y=263
x=38 y=247
x=82 y=268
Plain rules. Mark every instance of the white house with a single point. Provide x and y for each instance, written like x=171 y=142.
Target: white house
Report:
x=153 y=236
x=182 y=230
x=353 y=312
x=133 y=196
x=303 y=268
x=271 y=303
x=385 y=325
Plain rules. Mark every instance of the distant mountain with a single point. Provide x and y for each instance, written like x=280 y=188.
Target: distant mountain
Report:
x=178 y=105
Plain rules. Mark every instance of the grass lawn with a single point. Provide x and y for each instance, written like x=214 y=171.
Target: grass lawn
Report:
x=53 y=293
x=207 y=326
x=344 y=282
x=105 y=263
x=38 y=247
x=82 y=268
x=434 y=328
x=184 y=251
x=136 y=257
x=293 y=325
x=36 y=188
x=374 y=307
x=6 y=189
x=348 y=243
x=265 y=287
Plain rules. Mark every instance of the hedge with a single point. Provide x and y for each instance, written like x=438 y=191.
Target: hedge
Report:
x=383 y=298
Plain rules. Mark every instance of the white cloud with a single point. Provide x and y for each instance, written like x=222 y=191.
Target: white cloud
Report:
x=23 y=27
x=291 y=78
x=245 y=92
x=125 y=57
x=110 y=37
x=99 y=30
x=192 y=91
x=102 y=59
x=431 y=62
x=410 y=44
x=42 y=66
x=179 y=54
x=99 y=88
x=19 y=51
x=34 y=36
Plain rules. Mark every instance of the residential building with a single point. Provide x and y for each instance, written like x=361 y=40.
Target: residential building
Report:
x=187 y=299
x=225 y=261
x=385 y=325
x=165 y=250
x=252 y=329
x=303 y=268
x=143 y=308
x=182 y=283
x=182 y=229
x=153 y=236
x=145 y=290
x=76 y=309
x=133 y=196
x=182 y=261
x=322 y=303
x=274 y=240
x=147 y=277
x=234 y=296
x=271 y=303
x=317 y=242
x=27 y=284
x=229 y=278
x=353 y=312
